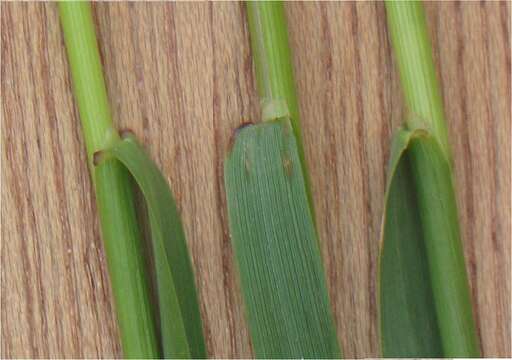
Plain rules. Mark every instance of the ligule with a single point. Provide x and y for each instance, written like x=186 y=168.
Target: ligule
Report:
x=274 y=239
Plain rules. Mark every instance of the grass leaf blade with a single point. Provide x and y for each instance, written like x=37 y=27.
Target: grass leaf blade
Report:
x=274 y=238
x=181 y=326
x=425 y=307
x=408 y=322
x=432 y=174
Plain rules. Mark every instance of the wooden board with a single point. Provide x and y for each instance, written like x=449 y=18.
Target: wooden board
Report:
x=181 y=77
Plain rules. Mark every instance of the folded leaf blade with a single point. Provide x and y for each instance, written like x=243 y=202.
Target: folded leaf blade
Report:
x=408 y=323
x=274 y=238
x=437 y=206
x=425 y=307
x=180 y=320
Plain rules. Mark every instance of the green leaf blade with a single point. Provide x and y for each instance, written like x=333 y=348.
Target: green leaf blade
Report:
x=275 y=244
x=425 y=305
x=438 y=209
x=408 y=322
x=123 y=247
x=182 y=334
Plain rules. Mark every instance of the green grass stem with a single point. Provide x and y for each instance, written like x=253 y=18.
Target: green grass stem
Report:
x=113 y=186
x=274 y=70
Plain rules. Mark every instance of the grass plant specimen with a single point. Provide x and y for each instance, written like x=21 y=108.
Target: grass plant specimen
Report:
x=425 y=304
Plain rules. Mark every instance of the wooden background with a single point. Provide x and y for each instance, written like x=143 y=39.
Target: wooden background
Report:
x=180 y=76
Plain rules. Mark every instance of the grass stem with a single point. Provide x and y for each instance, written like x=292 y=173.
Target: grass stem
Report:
x=413 y=55
x=114 y=196
x=274 y=70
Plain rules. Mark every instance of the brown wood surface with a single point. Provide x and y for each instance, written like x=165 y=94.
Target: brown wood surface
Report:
x=180 y=75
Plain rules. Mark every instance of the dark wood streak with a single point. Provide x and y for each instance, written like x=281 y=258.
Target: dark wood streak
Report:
x=239 y=79
x=248 y=77
x=43 y=350
x=330 y=157
x=468 y=170
x=385 y=98
x=23 y=204
x=135 y=27
x=363 y=160
x=8 y=149
x=492 y=135
x=506 y=20
x=155 y=91
x=60 y=190
x=174 y=88
x=17 y=190
x=218 y=151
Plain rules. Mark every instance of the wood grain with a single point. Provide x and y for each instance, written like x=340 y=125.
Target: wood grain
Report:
x=180 y=75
